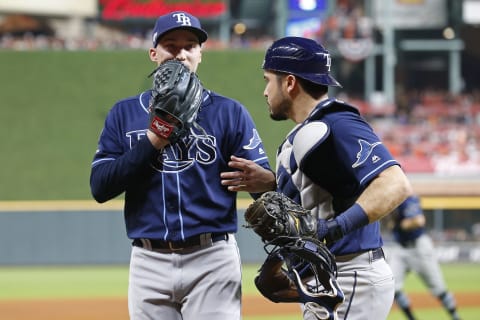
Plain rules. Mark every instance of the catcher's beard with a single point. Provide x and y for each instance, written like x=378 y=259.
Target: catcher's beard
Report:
x=281 y=111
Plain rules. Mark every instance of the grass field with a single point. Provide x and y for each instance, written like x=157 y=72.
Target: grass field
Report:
x=98 y=282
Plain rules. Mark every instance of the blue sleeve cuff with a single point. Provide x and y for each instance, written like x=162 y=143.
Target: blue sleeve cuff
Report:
x=353 y=218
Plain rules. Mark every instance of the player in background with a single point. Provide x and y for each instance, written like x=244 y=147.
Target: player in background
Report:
x=180 y=215
x=413 y=250
x=334 y=164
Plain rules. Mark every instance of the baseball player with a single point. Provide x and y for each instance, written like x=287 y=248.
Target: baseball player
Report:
x=414 y=251
x=333 y=164
x=179 y=212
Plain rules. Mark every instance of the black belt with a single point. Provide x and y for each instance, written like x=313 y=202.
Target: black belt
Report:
x=375 y=254
x=198 y=241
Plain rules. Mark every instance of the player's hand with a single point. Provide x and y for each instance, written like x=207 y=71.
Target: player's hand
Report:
x=157 y=142
x=248 y=176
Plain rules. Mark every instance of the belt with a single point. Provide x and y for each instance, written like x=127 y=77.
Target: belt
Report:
x=199 y=241
x=373 y=255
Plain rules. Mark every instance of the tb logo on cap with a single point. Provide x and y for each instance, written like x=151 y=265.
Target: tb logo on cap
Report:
x=328 y=62
x=183 y=19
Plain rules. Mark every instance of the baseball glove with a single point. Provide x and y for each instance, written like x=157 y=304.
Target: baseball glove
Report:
x=275 y=215
x=176 y=99
x=311 y=271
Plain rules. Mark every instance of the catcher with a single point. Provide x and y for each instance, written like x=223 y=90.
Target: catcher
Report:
x=164 y=148
x=334 y=165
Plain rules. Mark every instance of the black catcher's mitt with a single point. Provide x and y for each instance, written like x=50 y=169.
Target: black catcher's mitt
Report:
x=275 y=215
x=176 y=99
x=311 y=270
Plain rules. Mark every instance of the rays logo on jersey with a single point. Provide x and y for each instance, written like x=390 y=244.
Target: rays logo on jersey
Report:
x=254 y=142
x=366 y=150
x=183 y=154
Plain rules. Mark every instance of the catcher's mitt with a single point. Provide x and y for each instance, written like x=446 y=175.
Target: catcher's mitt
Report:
x=176 y=99
x=275 y=215
x=313 y=270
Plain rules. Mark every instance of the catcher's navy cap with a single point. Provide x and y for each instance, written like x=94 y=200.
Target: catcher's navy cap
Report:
x=178 y=20
x=302 y=57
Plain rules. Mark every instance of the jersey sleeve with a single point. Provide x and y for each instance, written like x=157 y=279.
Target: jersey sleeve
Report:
x=359 y=149
x=113 y=166
x=340 y=152
x=245 y=138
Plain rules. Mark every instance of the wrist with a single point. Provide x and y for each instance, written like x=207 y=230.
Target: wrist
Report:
x=352 y=219
x=349 y=220
x=156 y=141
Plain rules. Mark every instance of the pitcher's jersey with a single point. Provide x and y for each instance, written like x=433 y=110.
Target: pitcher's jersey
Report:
x=175 y=193
x=327 y=161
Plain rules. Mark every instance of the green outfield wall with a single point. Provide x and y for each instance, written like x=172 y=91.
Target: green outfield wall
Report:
x=87 y=233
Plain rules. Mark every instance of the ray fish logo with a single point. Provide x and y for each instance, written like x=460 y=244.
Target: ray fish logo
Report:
x=366 y=150
x=254 y=141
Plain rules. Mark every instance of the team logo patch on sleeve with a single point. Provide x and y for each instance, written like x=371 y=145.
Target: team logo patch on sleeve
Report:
x=366 y=150
x=254 y=141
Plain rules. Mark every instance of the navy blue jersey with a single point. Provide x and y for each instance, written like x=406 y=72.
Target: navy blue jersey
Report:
x=175 y=193
x=410 y=208
x=327 y=161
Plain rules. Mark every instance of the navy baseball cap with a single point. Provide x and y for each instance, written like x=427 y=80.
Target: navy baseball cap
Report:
x=178 y=20
x=302 y=57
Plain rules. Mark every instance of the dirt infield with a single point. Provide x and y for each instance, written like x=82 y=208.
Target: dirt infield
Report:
x=105 y=309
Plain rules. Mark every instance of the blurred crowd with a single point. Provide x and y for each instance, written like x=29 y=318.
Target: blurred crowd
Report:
x=24 y=33
x=114 y=41
x=30 y=41
x=434 y=131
